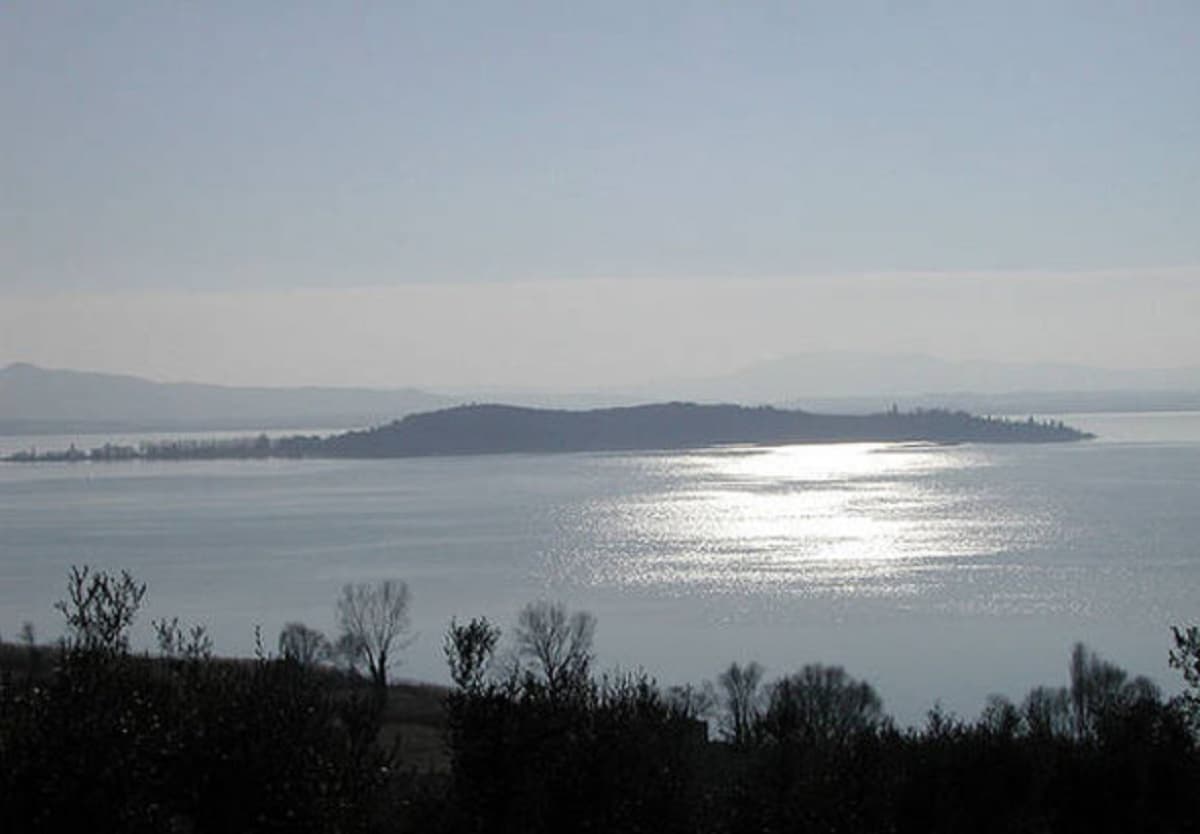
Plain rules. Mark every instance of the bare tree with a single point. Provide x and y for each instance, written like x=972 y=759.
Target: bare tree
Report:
x=174 y=642
x=347 y=652
x=558 y=644
x=99 y=610
x=375 y=625
x=742 y=700
x=306 y=646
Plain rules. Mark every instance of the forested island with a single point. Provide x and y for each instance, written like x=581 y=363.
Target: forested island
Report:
x=497 y=429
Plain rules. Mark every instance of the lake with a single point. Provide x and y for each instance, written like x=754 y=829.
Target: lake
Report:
x=934 y=572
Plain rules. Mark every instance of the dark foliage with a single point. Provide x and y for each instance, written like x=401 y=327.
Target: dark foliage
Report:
x=96 y=739
x=110 y=741
x=468 y=650
x=608 y=755
x=1185 y=657
x=121 y=743
x=818 y=754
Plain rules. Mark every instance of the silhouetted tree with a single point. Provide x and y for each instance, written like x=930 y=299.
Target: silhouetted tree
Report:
x=32 y=650
x=375 y=625
x=1095 y=687
x=742 y=700
x=469 y=650
x=174 y=642
x=693 y=701
x=99 y=610
x=821 y=706
x=557 y=644
x=1047 y=712
x=1099 y=689
x=1001 y=717
x=1185 y=657
x=306 y=646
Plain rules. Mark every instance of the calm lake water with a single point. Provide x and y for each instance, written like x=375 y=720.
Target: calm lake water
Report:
x=933 y=572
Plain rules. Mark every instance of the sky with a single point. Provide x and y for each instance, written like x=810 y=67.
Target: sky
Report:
x=575 y=195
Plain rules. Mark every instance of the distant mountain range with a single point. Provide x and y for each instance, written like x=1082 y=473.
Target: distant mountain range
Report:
x=38 y=400
x=819 y=379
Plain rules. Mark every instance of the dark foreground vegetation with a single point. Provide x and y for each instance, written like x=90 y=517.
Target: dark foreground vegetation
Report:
x=493 y=429
x=96 y=738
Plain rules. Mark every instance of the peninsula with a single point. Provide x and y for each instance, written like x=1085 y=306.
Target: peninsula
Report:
x=497 y=429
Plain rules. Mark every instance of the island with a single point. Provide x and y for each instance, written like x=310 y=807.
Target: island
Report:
x=499 y=429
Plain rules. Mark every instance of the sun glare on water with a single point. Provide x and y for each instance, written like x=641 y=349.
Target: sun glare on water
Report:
x=814 y=519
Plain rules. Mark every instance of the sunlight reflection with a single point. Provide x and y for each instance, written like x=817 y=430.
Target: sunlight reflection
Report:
x=836 y=519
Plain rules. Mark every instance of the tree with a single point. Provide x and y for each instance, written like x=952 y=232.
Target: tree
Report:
x=1047 y=712
x=304 y=645
x=375 y=625
x=1100 y=690
x=696 y=702
x=1000 y=717
x=174 y=642
x=1095 y=688
x=469 y=650
x=558 y=644
x=347 y=652
x=742 y=700
x=822 y=706
x=32 y=652
x=99 y=610
x=1186 y=658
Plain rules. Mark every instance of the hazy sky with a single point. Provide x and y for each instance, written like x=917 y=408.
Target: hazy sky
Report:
x=518 y=193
